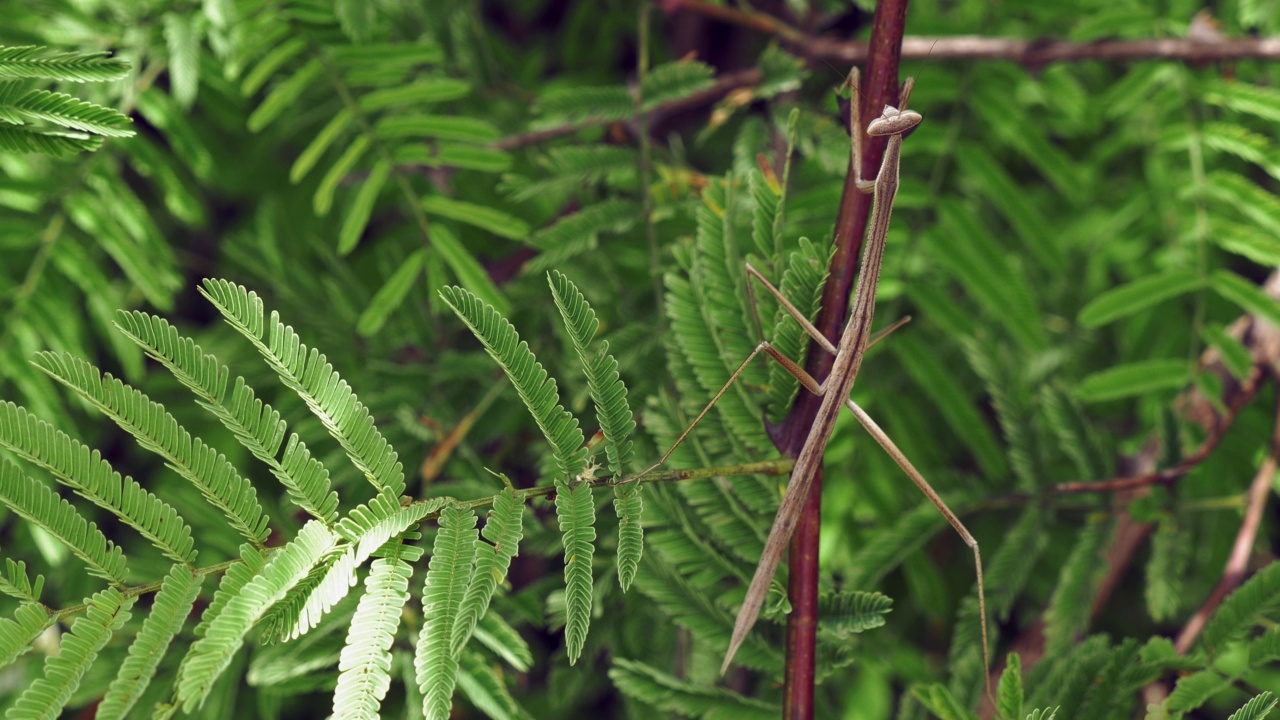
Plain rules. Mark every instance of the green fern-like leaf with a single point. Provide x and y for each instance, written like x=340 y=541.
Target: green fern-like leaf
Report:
x=255 y=424
x=37 y=504
x=614 y=414
x=502 y=640
x=607 y=390
x=370 y=526
x=679 y=698
x=1257 y=597
x=1014 y=561
x=577 y=513
x=1256 y=709
x=801 y=284
x=310 y=375
x=46 y=697
x=169 y=613
x=17 y=584
x=536 y=388
x=68 y=112
x=483 y=686
x=448 y=574
x=1068 y=611
x=366 y=658
x=224 y=636
x=17 y=634
x=587 y=104
x=503 y=528
x=673 y=81
x=578 y=233
x=23 y=139
x=1265 y=648
x=1171 y=548
x=1043 y=714
x=1194 y=690
x=252 y=560
x=941 y=703
x=1009 y=693
x=159 y=432
x=93 y=478
x=849 y=613
x=30 y=61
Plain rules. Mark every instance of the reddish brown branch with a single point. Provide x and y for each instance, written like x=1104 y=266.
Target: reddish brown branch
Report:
x=879 y=88
x=971 y=47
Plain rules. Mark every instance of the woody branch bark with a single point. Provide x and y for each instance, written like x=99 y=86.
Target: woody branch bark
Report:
x=879 y=88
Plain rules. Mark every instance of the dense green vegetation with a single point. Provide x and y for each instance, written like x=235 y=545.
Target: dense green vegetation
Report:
x=310 y=312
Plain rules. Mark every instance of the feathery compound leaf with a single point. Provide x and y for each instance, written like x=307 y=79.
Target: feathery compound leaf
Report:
x=586 y=104
x=1171 y=549
x=158 y=431
x=30 y=61
x=224 y=636
x=481 y=683
x=23 y=139
x=311 y=376
x=365 y=665
x=673 y=81
x=93 y=478
x=503 y=528
x=848 y=613
x=1009 y=694
x=233 y=581
x=1068 y=612
x=629 y=507
x=577 y=513
x=1043 y=714
x=607 y=390
x=169 y=612
x=536 y=388
x=1256 y=709
x=801 y=284
x=45 y=698
x=684 y=699
x=35 y=503
x=368 y=528
x=1194 y=690
x=16 y=635
x=16 y=584
x=447 y=576
x=70 y=112
x=254 y=423
x=1257 y=597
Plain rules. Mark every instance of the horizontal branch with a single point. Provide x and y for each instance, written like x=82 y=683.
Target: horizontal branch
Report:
x=973 y=47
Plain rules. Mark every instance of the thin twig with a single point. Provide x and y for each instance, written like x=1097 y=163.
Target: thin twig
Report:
x=1169 y=476
x=1238 y=562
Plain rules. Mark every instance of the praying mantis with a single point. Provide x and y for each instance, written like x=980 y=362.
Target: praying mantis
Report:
x=835 y=390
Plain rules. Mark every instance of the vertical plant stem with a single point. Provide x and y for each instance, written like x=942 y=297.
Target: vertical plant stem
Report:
x=879 y=88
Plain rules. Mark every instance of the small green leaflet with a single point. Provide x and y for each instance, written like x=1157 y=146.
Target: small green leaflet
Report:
x=1138 y=295
x=1246 y=295
x=1133 y=379
x=481 y=216
x=391 y=295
